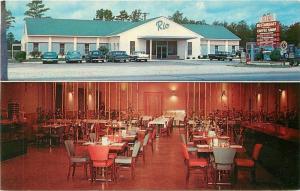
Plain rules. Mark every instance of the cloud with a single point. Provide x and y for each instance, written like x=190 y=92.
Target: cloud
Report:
x=210 y=10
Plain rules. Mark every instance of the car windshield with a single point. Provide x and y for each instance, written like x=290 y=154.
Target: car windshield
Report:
x=95 y=53
x=119 y=53
x=74 y=53
x=139 y=52
x=49 y=54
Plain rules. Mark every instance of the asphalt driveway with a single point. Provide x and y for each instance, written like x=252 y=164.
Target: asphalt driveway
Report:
x=158 y=70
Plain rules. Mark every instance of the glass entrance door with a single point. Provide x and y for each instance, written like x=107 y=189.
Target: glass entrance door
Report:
x=161 y=52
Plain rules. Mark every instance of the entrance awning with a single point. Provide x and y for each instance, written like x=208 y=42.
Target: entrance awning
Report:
x=166 y=37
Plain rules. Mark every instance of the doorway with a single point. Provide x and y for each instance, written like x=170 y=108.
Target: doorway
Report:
x=153 y=103
x=161 y=52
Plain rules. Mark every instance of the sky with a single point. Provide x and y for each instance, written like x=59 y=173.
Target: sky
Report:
x=287 y=11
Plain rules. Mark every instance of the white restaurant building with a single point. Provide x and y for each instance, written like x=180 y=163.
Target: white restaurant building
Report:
x=162 y=37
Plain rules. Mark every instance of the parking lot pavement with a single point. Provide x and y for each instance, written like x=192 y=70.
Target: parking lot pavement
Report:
x=158 y=70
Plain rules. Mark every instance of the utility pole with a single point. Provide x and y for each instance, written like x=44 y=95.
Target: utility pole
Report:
x=145 y=15
x=3 y=46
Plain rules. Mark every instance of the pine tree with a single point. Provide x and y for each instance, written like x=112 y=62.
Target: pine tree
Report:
x=123 y=16
x=9 y=19
x=36 y=9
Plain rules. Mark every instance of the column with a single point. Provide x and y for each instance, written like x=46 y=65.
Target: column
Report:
x=97 y=43
x=150 y=49
x=185 y=49
x=208 y=47
x=226 y=45
x=75 y=43
x=50 y=44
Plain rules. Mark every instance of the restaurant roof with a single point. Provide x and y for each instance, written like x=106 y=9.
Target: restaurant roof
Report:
x=75 y=27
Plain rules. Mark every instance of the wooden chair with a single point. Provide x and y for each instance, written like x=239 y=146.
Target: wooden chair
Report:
x=73 y=159
x=142 y=151
x=249 y=163
x=100 y=160
x=125 y=162
x=194 y=164
x=223 y=163
x=152 y=138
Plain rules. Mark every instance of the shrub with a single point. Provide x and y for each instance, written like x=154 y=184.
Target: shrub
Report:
x=103 y=49
x=204 y=56
x=35 y=54
x=275 y=55
x=259 y=56
x=20 y=56
x=188 y=58
x=194 y=58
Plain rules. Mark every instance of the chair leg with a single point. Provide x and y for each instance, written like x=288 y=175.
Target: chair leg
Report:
x=132 y=171
x=74 y=167
x=70 y=166
x=253 y=175
x=152 y=145
x=85 y=169
x=206 y=175
x=187 y=175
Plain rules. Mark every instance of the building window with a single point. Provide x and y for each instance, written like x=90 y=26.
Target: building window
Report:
x=147 y=46
x=216 y=49
x=190 y=48
x=61 y=48
x=154 y=47
x=233 y=49
x=172 y=47
x=132 y=46
x=86 y=48
x=35 y=47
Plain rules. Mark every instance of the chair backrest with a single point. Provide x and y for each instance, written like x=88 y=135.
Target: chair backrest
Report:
x=70 y=147
x=146 y=139
x=98 y=152
x=183 y=138
x=153 y=134
x=256 y=151
x=92 y=137
x=224 y=155
x=185 y=152
x=136 y=148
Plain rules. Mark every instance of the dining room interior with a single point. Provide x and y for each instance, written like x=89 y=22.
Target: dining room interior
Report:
x=150 y=135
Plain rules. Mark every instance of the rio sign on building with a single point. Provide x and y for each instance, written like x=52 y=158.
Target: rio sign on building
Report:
x=268 y=31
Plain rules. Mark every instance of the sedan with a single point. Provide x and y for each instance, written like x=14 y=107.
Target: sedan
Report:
x=73 y=56
x=139 y=56
x=49 y=57
x=95 y=56
x=114 y=56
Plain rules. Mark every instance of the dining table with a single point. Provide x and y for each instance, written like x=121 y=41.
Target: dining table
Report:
x=51 y=127
x=205 y=148
x=160 y=122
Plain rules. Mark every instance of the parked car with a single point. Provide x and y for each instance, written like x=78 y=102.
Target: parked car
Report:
x=73 y=56
x=95 y=56
x=220 y=55
x=139 y=56
x=114 y=56
x=49 y=57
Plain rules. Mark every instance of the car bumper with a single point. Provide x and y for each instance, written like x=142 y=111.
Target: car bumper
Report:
x=74 y=60
x=98 y=59
x=49 y=60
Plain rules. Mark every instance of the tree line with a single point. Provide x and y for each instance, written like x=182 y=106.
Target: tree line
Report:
x=246 y=32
